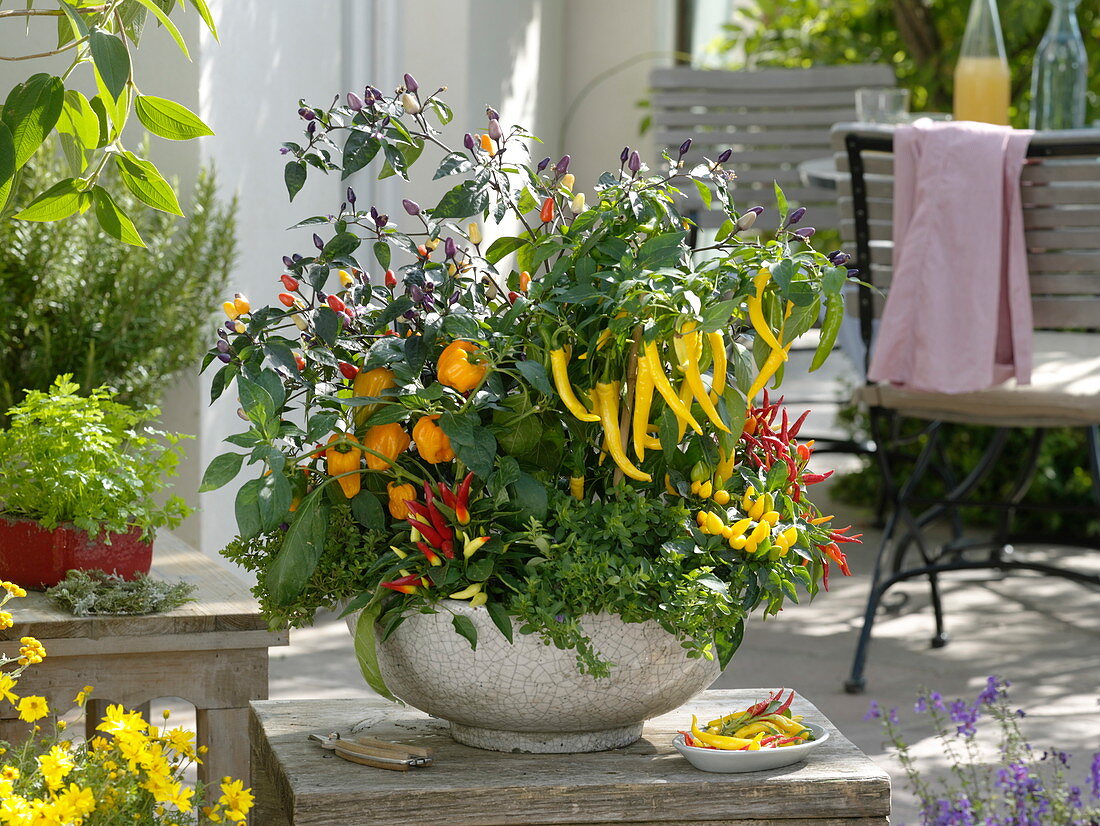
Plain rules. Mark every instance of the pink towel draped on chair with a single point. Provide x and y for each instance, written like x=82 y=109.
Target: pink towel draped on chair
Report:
x=958 y=311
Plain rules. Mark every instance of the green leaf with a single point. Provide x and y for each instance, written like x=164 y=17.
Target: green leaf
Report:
x=833 y=279
x=704 y=193
x=359 y=150
x=502 y=247
x=453 y=164
x=327 y=324
x=295 y=562
x=31 y=111
x=222 y=470
x=341 y=244
x=499 y=615
x=661 y=251
x=166 y=21
x=382 y=254
x=781 y=203
x=472 y=444
x=111 y=59
x=169 y=119
x=247 y=509
x=78 y=127
x=146 y=183
x=782 y=274
x=77 y=22
x=207 y=17
x=59 y=201
x=536 y=376
x=727 y=644
x=365 y=650
x=275 y=496
x=114 y=221
x=294 y=176
x=366 y=508
x=530 y=496
x=466 y=628
x=466 y=199
x=258 y=404
x=7 y=164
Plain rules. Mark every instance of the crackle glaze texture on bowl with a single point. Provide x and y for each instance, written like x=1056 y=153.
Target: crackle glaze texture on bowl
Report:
x=529 y=697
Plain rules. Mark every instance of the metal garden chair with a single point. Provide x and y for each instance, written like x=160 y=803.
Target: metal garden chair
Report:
x=1060 y=188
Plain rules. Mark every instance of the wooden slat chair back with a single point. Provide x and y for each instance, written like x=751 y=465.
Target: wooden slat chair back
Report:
x=1060 y=191
x=772 y=119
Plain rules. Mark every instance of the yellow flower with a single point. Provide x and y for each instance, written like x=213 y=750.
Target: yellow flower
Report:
x=7 y=683
x=55 y=766
x=117 y=720
x=182 y=741
x=6 y=620
x=6 y=788
x=32 y=708
x=236 y=799
x=212 y=813
x=31 y=651
x=15 y=810
x=82 y=696
x=9 y=773
x=13 y=589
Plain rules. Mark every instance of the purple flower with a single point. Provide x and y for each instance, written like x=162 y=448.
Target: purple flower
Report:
x=355 y=103
x=410 y=83
x=964 y=716
x=684 y=147
x=1094 y=776
x=284 y=151
x=416 y=294
x=796 y=216
x=634 y=162
x=873 y=711
x=992 y=691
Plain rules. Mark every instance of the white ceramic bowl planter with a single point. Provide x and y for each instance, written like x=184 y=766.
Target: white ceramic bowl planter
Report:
x=529 y=697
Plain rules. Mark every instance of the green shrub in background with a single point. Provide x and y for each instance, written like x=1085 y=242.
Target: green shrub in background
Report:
x=76 y=301
x=1062 y=478
x=920 y=38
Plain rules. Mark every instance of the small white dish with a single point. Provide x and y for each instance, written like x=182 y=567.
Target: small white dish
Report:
x=728 y=762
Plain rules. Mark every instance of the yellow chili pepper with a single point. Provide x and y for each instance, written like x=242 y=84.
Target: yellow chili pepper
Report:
x=721 y=496
x=721 y=363
x=576 y=487
x=390 y=440
x=771 y=517
x=399 y=494
x=455 y=369
x=487 y=145
x=661 y=383
x=577 y=204
x=607 y=405
x=689 y=366
x=686 y=397
x=669 y=489
x=559 y=367
x=474 y=233
x=643 y=400
x=346 y=279
x=740 y=526
x=468 y=592
x=771 y=365
x=432 y=443
x=567 y=181
x=705 y=489
x=371 y=384
x=756 y=310
x=717 y=740
x=479 y=600
x=724 y=469
x=344 y=459
x=759 y=532
x=746 y=500
x=714 y=523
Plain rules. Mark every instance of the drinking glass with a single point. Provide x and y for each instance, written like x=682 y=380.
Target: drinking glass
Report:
x=882 y=105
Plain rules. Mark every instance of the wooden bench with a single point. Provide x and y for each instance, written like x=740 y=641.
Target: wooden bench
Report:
x=648 y=783
x=211 y=652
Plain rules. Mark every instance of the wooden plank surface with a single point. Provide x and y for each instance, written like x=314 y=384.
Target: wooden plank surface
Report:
x=646 y=783
x=222 y=602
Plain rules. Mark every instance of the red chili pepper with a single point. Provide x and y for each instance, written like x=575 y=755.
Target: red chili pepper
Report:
x=404 y=585
x=423 y=251
x=336 y=303
x=391 y=279
x=815 y=478
x=300 y=362
x=289 y=281
x=438 y=521
x=825 y=574
x=348 y=370
x=786 y=705
x=832 y=550
x=448 y=548
x=797 y=424
x=513 y=296
x=427 y=531
x=783 y=435
x=839 y=536
x=286 y=299
x=462 y=511
x=449 y=499
x=429 y=554
x=764 y=404
x=546 y=214
x=804 y=452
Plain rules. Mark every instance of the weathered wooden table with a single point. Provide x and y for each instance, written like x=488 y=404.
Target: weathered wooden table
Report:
x=645 y=784
x=211 y=652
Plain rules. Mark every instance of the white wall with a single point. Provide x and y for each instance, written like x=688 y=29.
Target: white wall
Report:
x=531 y=59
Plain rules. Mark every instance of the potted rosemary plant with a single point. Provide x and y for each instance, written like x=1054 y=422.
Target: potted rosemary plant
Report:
x=544 y=469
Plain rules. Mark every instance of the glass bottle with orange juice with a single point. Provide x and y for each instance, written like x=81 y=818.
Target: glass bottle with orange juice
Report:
x=981 y=75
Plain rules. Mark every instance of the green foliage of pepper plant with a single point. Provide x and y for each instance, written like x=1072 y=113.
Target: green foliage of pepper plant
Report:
x=109 y=314
x=84 y=593
x=919 y=38
x=87 y=460
x=99 y=38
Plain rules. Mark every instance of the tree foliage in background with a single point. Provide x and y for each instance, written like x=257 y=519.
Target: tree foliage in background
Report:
x=919 y=38
x=77 y=302
x=99 y=37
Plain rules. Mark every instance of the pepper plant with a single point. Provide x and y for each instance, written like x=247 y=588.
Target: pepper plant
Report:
x=573 y=417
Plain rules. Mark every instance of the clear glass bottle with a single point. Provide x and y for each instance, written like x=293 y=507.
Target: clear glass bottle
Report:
x=1058 y=79
x=981 y=75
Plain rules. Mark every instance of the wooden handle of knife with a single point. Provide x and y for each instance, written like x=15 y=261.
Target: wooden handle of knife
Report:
x=415 y=751
x=364 y=760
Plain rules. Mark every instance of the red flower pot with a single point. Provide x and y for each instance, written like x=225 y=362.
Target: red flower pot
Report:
x=33 y=557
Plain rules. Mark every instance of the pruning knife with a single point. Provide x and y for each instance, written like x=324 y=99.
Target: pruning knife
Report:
x=380 y=754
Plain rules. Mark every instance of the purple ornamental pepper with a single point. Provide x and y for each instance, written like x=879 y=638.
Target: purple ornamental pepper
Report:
x=562 y=166
x=684 y=147
x=805 y=233
x=381 y=220
x=288 y=261
x=624 y=154
x=491 y=113
x=725 y=156
x=494 y=130
x=223 y=345
x=468 y=141
x=355 y=103
x=317 y=242
x=796 y=216
x=306 y=113
x=411 y=207
x=351 y=197
x=225 y=357
x=545 y=162
x=410 y=83
x=450 y=248
x=634 y=162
